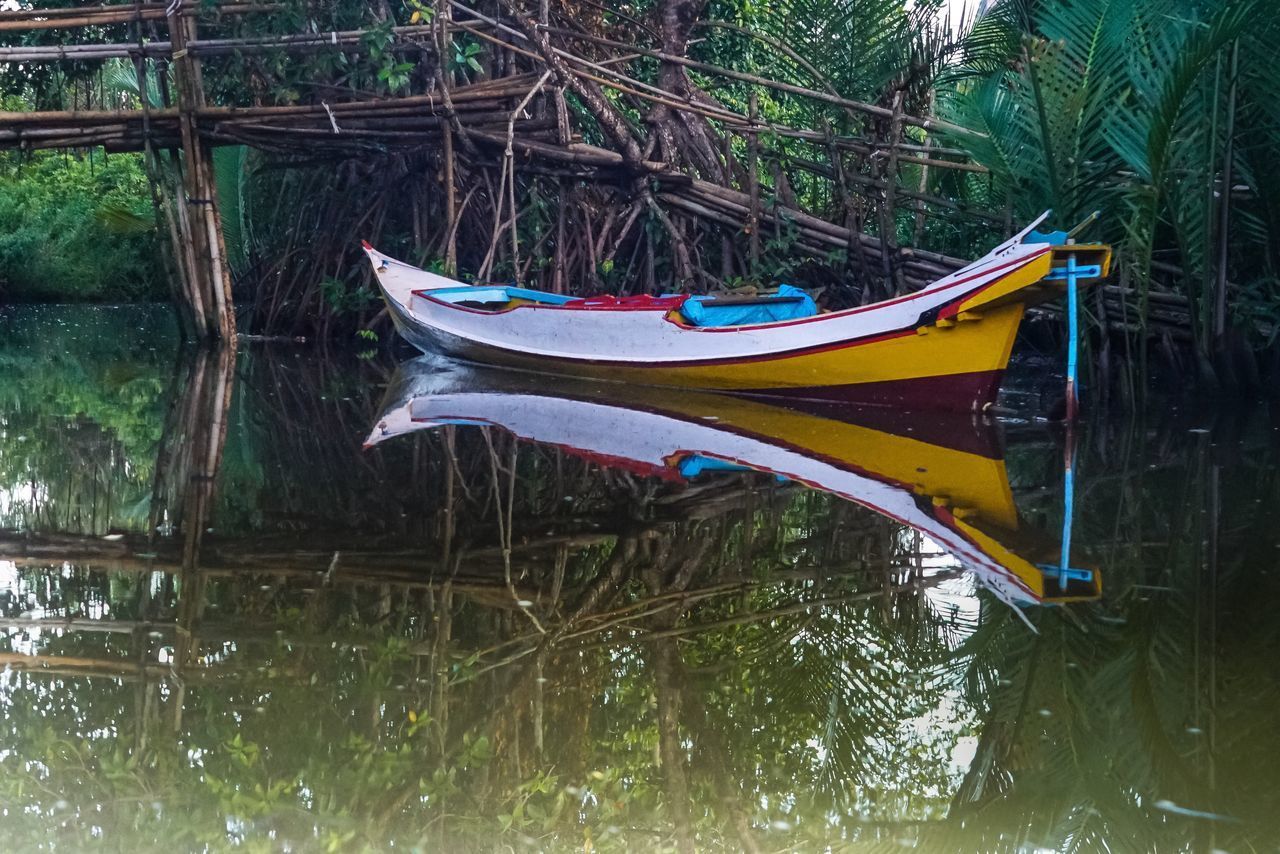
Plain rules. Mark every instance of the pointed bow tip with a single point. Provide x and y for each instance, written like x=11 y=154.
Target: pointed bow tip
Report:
x=366 y=245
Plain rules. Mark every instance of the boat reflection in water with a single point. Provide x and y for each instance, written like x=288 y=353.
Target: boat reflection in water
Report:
x=942 y=475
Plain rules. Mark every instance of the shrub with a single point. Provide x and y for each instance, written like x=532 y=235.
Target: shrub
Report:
x=77 y=228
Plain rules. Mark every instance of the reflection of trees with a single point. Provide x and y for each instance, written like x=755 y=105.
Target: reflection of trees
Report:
x=362 y=653
x=1114 y=728
x=464 y=695
x=79 y=417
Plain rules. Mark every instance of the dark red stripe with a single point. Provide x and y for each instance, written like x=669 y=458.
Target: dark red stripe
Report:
x=954 y=392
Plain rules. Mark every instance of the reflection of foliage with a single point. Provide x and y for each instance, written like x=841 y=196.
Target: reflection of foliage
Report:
x=81 y=406
x=1124 y=725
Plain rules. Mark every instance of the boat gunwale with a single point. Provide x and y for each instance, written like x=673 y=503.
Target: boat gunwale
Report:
x=425 y=294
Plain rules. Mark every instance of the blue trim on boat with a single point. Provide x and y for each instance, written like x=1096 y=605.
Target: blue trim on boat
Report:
x=497 y=294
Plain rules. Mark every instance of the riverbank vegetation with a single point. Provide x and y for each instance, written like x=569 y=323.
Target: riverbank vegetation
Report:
x=860 y=146
x=77 y=227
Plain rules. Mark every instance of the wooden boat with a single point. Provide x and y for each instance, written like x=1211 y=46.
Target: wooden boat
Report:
x=945 y=346
x=945 y=476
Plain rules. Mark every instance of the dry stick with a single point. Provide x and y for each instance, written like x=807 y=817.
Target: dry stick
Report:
x=557 y=272
x=815 y=240
x=451 y=236
x=624 y=231
x=872 y=146
x=683 y=261
x=495 y=233
x=597 y=250
x=612 y=122
x=739 y=203
x=927 y=124
x=923 y=184
x=509 y=171
x=635 y=88
x=776 y=45
x=888 y=208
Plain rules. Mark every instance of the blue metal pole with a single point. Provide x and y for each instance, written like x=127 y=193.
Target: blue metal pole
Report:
x=1073 y=336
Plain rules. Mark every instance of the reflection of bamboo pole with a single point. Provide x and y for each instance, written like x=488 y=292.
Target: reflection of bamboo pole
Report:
x=782 y=611
x=665 y=662
x=66 y=665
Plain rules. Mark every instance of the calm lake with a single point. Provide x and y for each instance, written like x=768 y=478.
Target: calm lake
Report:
x=311 y=601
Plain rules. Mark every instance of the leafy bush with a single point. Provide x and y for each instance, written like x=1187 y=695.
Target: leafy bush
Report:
x=77 y=228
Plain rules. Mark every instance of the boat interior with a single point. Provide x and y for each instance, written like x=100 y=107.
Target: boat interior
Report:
x=787 y=303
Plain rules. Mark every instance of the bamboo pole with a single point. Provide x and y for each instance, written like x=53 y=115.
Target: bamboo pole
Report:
x=753 y=183
x=444 y=50
x=204 y=232
x=71 y=18
x=300 y=43
x=178 y=281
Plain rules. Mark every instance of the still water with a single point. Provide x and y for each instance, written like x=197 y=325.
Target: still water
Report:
x=298 y=601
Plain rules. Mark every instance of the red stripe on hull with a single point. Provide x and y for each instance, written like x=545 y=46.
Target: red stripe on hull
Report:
x=955 y=392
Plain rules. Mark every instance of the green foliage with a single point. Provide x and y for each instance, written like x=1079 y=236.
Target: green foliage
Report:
x=1120 y=106
x=77 y=228
x=233 y=180
x=464 y=56
x=344 y=299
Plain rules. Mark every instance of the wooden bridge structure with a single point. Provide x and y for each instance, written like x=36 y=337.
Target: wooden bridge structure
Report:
x=517 y=117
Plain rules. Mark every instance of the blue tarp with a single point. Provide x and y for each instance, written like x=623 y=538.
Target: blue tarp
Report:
x=703 y=311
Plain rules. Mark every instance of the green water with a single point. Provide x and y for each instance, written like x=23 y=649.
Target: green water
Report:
x=229 y=626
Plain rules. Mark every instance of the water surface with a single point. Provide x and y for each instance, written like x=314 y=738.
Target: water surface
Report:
x=304 y=601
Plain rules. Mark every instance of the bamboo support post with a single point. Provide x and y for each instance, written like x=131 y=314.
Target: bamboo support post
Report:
x=209 y=272
x=444 y=50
